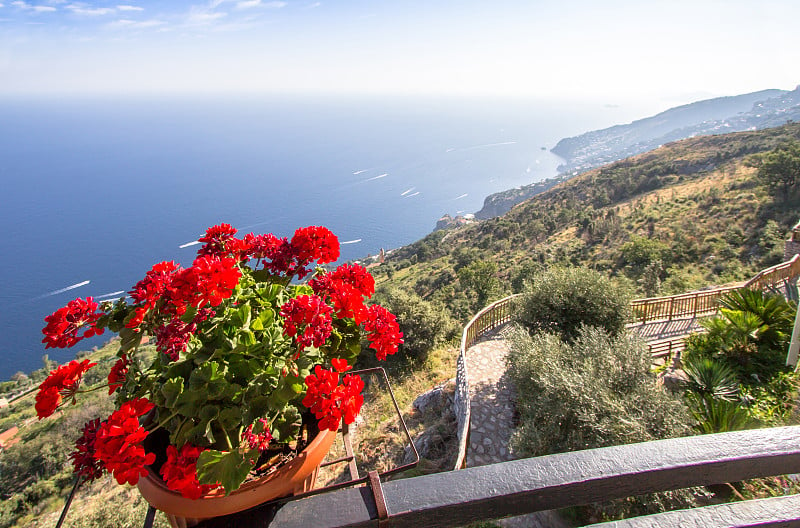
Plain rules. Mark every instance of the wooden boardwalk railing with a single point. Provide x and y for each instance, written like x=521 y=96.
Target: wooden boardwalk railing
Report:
x=702 y=303
x=771 y=277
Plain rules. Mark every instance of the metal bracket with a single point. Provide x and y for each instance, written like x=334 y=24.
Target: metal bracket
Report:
x=377 y=494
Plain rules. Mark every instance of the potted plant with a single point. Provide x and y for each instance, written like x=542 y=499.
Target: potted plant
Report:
x=244 y=349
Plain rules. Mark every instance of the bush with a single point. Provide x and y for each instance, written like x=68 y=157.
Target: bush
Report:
x=596 y=392
x=561 y=300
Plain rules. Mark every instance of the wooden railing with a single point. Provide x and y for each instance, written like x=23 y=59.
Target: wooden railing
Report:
x=693 y=304
x=494 y=315
x=770 y=277
x=702 y=303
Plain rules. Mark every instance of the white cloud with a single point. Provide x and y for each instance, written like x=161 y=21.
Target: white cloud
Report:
x=135 y=24
x=90 y=11
x=129 y=8
x=36 y=8
x=247 y=4
x=315 y=5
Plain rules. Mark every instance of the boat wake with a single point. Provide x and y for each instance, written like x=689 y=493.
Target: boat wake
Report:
x=62 y=290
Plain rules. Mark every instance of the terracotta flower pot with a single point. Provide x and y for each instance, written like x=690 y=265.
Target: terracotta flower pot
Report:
x=296 y=476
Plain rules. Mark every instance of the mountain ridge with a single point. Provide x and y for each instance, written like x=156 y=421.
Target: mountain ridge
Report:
x=721 y=115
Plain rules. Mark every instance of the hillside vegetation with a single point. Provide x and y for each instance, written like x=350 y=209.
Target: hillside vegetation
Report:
x=688 y=215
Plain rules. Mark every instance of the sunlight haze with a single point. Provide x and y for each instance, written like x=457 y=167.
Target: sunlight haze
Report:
x=611 y=51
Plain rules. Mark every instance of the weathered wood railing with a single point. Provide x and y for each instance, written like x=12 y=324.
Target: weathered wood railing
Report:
x=702 y=303
x=494 y=315
x=530 y=485
x=773 y=276
x=693 y=304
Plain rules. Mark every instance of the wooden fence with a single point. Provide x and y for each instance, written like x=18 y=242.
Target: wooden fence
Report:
x=693 y=304
x=771 y=277
x=702 y=303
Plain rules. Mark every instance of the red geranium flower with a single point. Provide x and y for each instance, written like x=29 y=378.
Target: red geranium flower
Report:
x=217 y=240
x=313 y=316
x=331 y=402
x=384 y=333
x=172 y=338
x=64 y=324
x=347 y=300
x=214 y=279
x=116 y=376
x=118 y=442
x=62 y=381
x=315 y=243
x=83 y=457
x=154 y=287
x=180 y=472
x=260 y=440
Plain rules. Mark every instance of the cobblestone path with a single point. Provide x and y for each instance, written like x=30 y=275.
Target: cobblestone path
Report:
x=492 y=413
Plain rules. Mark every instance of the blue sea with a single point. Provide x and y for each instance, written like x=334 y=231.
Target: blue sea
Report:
x=94 y=192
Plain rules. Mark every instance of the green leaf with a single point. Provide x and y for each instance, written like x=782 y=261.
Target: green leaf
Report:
x=189 y=314
x=228 y=468
x=241 y=316
x=172 y=389
x=286 y=425
x=208 y=379
x=247 y=338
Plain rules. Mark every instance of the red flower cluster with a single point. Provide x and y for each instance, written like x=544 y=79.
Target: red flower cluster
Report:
x=155 y=286
x=260 y=440
x=315 y=243
x=217 y=240
x=214 y=279
x=61 y=382
x=172 y=338
x=346 y=287
x=117 y=374
x=331 y=402
x=83 y=457
x=279 y=255
x=118 y=442
x=64 y=324
x=384 y=333
x=313 y=315
x=180 y=472
x=210 y=280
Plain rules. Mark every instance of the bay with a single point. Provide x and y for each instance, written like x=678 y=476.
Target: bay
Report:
x=95 y=191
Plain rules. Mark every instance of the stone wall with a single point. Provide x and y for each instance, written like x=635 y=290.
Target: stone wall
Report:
x=461 y=408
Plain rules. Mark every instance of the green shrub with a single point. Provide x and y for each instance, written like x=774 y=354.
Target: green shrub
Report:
x=716 y=415
x=595 y=392
x=425 y=325
x=561 y=300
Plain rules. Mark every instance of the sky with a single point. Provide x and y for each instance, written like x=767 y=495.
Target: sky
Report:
x=610 y=50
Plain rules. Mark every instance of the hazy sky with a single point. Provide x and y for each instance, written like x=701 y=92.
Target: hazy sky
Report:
x=672 y=50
